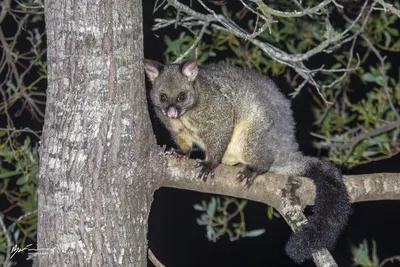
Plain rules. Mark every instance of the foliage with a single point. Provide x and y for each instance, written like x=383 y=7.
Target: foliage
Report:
x=224 y=215
x=362 y=255
x=365 y=258
x=19 y=175
x=23 y=75
x=369 y=114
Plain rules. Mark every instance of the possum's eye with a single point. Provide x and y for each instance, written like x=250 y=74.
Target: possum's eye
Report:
x=181 y=97
x=163 y=98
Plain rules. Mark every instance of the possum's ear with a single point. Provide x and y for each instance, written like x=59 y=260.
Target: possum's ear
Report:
x=190 y=69
x=152 y=68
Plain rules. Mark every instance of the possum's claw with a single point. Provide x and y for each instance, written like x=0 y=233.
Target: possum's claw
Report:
x=247 y=174
x=207 y=169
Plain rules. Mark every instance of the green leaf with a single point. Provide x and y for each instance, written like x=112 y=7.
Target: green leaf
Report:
x=198 y=207
x=210 y=232
x=254 y=233
x=368 y=77
x=5 y=185
x=224 y=10
x=393 y=31
x=242 y=205
x=337 y=66
x=291 y=48
x=2 y=259
x=7 y=154
x=387 y=146
x=27 y=142
x=12 y=86
x=369 y=153
x=16 y=234
x=203 y=57
x=27 y=188
x=9 y=174
x=270 y=212
x=37 y=18
x=388 y=38
x=22 y=180
x=212 y=207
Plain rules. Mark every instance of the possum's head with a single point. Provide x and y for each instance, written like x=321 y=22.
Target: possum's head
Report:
x=173 y=89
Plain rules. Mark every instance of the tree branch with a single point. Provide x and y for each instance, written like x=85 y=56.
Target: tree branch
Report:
x=309 y=11
x=389 y=6
x=270 y=189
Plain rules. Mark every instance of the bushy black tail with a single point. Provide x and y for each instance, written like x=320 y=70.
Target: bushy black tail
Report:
x=331 y=211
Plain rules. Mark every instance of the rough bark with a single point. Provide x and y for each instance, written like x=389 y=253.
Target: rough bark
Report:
x=96 y=184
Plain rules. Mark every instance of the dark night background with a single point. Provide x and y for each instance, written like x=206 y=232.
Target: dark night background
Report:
x=177 y=240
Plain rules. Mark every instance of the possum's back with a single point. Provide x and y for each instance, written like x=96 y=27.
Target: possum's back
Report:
x=254 y=95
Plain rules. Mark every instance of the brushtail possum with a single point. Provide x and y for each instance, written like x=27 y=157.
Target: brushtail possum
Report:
x=239 y=116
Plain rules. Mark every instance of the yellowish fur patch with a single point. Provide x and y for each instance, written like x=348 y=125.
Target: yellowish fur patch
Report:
x=236 y=147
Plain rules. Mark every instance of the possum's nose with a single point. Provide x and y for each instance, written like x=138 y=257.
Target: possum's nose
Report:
x=172 y=112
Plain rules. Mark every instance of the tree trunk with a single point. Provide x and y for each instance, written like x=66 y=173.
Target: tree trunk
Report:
x=96 y=184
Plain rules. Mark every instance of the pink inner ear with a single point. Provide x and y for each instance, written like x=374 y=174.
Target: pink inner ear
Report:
x=190 y=68
x=151 y=70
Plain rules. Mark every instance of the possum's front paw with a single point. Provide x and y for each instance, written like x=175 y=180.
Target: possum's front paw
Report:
x=176 y=153
x=207 y=169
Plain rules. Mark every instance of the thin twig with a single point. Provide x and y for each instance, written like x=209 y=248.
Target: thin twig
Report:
x=298 y=4
x=347 y=69
x=391 y=259
x=194 y=45
x=154 y=259
x=12 y=131
x=5 y=7
x=21 y=217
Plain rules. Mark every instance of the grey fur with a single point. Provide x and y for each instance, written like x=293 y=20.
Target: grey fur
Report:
x=240 y=116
